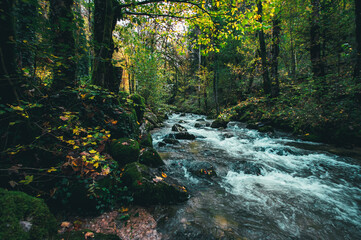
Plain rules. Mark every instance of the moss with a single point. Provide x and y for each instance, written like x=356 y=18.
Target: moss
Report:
x=151 y=158
x=139 y=105
x=18 y=206
x=147 y=192
x=146 y=140
x=124 y=150
x=79 y=235
x=219 y=122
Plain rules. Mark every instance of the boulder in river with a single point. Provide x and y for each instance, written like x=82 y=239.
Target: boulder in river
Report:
x=148 y=188
x=197 y=125
x=182 y=121
x=260 y=126
x=201 y=120
x=171 y=141
x=202 y=169
x=219 y=123
x=178 y=128
x=181 y=135
x=250 y=168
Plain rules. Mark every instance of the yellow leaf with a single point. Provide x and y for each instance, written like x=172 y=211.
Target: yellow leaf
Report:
x=89 y=136
x=92 y=97
x=52 y=169
x=82 y=96
x=75 y=147
x=65 y=224
x=164 y=175
x=96 y=165
x=89 y=235
x=92 y=151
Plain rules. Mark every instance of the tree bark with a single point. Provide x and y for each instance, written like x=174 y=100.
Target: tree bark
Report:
x=315 y=44
x=61 y=17
x=275 y=54
x=105 y=18
x=262 y=43
x=8 y=67
x=357 y=72
x=215 y=83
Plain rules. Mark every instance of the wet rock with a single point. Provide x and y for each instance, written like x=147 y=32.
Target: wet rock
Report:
x=182 y=115
x=182 y=121
x=149 y=188
x=219 y=123
x=185 y=136
x=208 y=124
x=178 y=128
x=162 y=144
x=262 y=127
x=150 y=158
x=201 y=169
x=152 y=120
x=197 y=125
x=170 y=141
x=201 y=120
x=250 y=168
x=181 y=135
x=228 y=135
x=146 y=140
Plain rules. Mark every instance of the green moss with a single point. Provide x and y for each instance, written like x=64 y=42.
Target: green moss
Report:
x=139 y=105
x=151 y=158
x=146 y=140
x=124 y=150
x=145 y=191
x=18 y=206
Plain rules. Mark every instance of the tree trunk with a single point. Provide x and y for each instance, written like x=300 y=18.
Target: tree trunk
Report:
x=61 y=17
x=215 y=84
x=315 y=48
x=275 y=54
x=262 y=43
x=8 y=68
x=105 y=18
x=357 y=73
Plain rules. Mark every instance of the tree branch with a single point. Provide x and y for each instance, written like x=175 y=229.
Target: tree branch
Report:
x=153 y=15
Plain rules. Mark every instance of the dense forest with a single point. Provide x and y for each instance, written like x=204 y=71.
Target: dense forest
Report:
x=82 y=83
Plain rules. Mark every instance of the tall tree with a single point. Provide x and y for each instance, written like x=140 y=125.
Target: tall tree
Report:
x=8 y=68
x=315 y=40
x=106 y=13
x=357 y=72
x=263 y=52
x=275 y=54
x=61 y=17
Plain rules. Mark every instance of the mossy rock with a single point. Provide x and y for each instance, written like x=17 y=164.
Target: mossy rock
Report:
x=124 y=150
x=146 y=140
x=24 y=217
x=151 y=158
x=146 y=191
x=79 y=235
x=139 y=105
x=219 y=122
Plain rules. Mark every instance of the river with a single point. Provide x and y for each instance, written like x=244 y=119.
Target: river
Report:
x=265 y=187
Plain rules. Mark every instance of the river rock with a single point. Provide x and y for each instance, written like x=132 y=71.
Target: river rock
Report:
x=181 y=135
x=182 y=121
x=219 y=123
x=202 y=169
x=250 y=168
x=228 y=135
x=171 y=141
x=182 y=115
x=178 y=128
x=148 y=188
x=201 y=120
x=260 y=126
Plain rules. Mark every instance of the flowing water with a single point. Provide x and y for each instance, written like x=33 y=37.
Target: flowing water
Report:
x=265 y=188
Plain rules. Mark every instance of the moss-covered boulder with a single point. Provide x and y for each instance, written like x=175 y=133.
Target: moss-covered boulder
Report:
x=219 y=122
x=80 y=235
x=151 y=158
x=139 y=105
x=146 y=140
x=148 y=188
x=124 y=150
x=24 y=217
